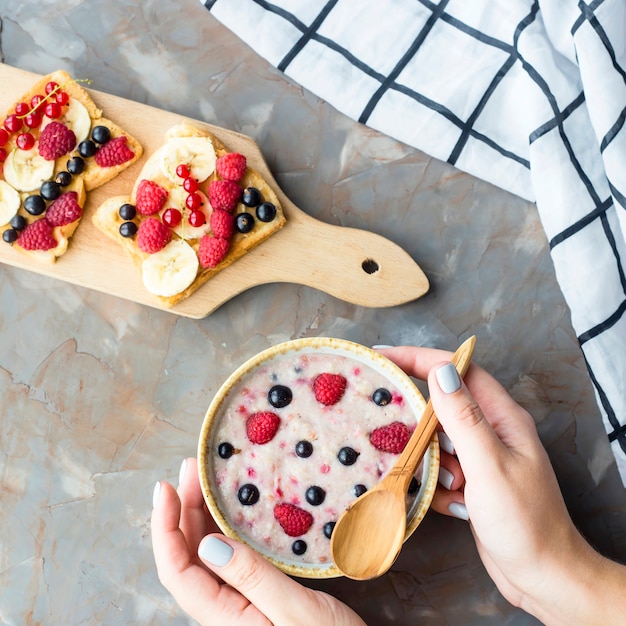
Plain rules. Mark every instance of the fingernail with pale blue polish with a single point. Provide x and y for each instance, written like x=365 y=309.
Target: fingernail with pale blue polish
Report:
x=155 y=494
x=445 y=478
x=445 y=443
x=459 y=510
x=448 y=378
x=381 y=346
x=181 y=472
x=215 y=551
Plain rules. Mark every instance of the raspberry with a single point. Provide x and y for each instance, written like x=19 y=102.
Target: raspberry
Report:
x=37 y=236
x=261 y=427
x=224 y=194
x=294 y=520
x=391 y=438
x=55 y=140
x=150 y=197
x=329 y=388
x=114 y=152
x=231 y=166
x=153 y=235
x=212 y=251
x=64 y=210
x=222 y=224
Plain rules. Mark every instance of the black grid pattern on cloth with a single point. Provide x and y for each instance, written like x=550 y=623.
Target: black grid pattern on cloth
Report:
x=602 y=195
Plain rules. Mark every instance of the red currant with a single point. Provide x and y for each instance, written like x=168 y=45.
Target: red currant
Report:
x=35 y=101
x=22 y=109
x=25 y=141
x=4 y=136
x=190 y=185
x=3 y=155
x=51 y=86
x=12 y=123
x=172 y=217
x=62 y=98
x=33 y=120
x=197 y=218
x=182 y=171
x=193 y=202
x=52 y=110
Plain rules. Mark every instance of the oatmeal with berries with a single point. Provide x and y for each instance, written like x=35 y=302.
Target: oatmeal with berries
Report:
x=297 y=440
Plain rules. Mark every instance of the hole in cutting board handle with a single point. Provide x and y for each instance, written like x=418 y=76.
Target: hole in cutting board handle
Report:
x=370 y=266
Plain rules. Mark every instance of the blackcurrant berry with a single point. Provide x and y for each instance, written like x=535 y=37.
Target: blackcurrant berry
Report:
x=359 y=490
x=251 y=196
x=128 y=229
x=18 y=222
x=266 y=212
x=304 y=449
x=75 y=165
x=101 y=134
x=381 y=397
x=225 y=450
x=87 y=148
x=347 y=456
x=63 y=179
x=50 y=190
x=315 y=495
x=279 y=396
x=328 y=529
x=298 y=547
x=244 y=222
x=248 y=494
x=127 y=211
x=9 y=235
x=35 y=204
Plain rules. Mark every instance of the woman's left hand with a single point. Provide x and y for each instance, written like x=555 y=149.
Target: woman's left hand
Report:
x=219 y=581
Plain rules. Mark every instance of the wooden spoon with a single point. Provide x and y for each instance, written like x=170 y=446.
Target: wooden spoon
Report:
x=369 y=534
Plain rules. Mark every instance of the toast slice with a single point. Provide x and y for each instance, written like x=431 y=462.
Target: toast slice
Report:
x=194 y=210
x=55 y=141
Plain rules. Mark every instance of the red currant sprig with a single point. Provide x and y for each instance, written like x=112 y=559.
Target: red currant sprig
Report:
x=55 y=96
x=193 y=201
x=30 y=114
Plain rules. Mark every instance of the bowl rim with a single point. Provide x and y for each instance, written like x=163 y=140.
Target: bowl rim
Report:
x=312 y=344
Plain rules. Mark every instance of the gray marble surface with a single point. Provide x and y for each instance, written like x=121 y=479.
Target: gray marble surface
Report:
x=101 y=397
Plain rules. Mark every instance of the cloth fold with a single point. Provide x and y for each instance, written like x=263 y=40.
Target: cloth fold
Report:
x=529 y=95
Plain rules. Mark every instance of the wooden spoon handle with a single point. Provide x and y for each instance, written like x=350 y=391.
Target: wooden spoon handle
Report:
x=420 y=439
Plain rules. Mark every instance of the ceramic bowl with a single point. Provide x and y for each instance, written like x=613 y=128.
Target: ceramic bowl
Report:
x=223 y=471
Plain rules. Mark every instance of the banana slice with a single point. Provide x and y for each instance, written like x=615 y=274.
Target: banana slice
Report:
x=171 y=270
x=197 y=153
x=25 y=170
x=9 y=202
x=77 y=118
x=176 y=200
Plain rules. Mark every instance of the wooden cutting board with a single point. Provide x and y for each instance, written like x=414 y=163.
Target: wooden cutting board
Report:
x=353 y=265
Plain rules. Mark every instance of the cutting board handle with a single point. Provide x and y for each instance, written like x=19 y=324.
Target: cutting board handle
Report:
x=355 y=265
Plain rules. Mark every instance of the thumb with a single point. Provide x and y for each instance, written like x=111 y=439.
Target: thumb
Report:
x=462 y=419
x=278 y=597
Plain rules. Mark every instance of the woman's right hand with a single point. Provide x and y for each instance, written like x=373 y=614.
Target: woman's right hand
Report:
x=502 y=479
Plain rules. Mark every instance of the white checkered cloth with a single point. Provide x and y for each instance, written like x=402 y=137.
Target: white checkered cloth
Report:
x=529 y=95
